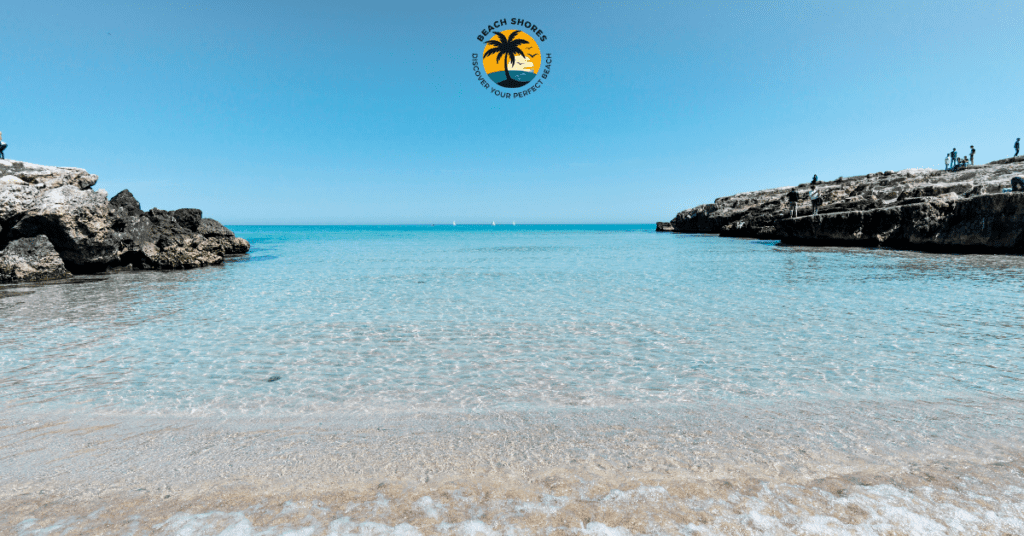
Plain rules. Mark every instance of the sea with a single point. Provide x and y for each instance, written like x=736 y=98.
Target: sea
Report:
x=513 y=380
x=518 y=76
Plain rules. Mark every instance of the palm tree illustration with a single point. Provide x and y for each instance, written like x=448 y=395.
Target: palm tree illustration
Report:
x=507 y=49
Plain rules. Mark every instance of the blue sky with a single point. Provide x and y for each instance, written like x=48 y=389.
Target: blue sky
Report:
x=329 y=113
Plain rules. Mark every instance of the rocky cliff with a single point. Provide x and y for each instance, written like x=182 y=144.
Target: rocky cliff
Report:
x=53 y=224
x=923 y=209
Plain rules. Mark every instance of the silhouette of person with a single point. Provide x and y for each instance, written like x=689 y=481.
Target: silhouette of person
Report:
x=793 y=198
x=3 y=146
x=972 y=155
x=1016 y=147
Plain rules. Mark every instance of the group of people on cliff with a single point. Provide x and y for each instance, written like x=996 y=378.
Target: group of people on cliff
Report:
x=954 y=164
x=813 y=195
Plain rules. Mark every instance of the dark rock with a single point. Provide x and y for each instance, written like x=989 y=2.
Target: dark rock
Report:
x=220 y=239
x=127 y=201
x=273 y=378
x=92 y=235
x=211 y=228
x=189 y=218
x=228 y=245
x=31 y=259
x=663 y=227
x=982 y=224
x=703 y=219
x=919 y=209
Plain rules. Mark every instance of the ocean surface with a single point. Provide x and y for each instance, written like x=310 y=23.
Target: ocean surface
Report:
x=518 y=380
x=518 y=76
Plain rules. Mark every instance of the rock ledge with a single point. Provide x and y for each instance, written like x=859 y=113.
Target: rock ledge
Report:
x=966 y=211
x=53 y=224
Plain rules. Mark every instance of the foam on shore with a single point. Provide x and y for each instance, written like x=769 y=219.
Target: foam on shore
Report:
x=741 y=470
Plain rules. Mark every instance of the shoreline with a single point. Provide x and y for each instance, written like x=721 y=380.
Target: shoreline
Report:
x=573 y=383
x=624 y=469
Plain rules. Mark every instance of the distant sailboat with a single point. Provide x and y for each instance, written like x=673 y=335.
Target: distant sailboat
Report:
x=493 y=224
x=453 y=224
x=513 y=223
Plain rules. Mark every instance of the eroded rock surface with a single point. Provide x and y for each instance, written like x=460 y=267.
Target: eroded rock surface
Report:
x=91 y=234
x=925 y=209
x=31 y=259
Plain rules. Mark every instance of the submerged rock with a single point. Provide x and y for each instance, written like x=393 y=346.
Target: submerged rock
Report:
x=91 y=234
x=922 y=209
x=31 y=259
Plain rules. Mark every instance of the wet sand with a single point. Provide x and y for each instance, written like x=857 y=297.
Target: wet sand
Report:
x=737 y=470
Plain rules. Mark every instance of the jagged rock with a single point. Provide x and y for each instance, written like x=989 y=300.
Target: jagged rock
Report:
x=124 y=199
x=985 y=223
x=171 y=240
x=212 y=228
x=910 y=209
x=705 y=219
x=92 y=234
x=31 y=259
x=220 y=239
x=188 y=218
x=60 y=204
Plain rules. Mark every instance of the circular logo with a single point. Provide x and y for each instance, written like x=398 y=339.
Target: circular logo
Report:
x=511 y=58
x=511 y=66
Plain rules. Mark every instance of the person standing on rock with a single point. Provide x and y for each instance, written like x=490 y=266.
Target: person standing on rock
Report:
x=814 y=180
x=793 y=198
x=952 y=157
x=815 y=198
x=1016 y=147
x=947 y=161
x=3 y=146
x=972 y=155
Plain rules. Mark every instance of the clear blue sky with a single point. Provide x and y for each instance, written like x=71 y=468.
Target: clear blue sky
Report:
x=328 y=112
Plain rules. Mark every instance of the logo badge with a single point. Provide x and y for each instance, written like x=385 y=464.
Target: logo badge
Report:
x=511 y=64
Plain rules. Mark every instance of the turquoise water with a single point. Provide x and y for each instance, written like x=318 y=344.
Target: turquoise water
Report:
x=518 y=380
x=519 y=76
x=489 y=318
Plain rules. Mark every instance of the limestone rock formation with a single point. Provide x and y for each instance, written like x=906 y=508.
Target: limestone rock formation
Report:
x=175 y=239
x=924 y=209
x=31 y=259
x=92 y=234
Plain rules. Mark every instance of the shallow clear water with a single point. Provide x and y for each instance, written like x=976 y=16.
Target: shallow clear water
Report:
x=492 y=318
x=566 y=350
